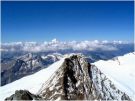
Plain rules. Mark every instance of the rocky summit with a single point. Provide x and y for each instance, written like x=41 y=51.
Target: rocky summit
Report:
x=77 y=79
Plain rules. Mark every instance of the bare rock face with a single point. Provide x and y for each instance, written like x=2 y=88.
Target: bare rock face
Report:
x=22 y=95
x=77 y=79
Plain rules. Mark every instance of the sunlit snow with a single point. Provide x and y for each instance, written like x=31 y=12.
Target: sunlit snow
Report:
x=121 y=71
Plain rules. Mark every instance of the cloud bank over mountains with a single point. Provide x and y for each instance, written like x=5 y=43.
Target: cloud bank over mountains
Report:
x=56 y=45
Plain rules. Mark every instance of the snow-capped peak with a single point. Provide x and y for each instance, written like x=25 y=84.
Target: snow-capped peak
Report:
x=77 y=79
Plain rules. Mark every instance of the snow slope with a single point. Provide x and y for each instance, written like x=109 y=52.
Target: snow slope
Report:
x=121 y=71
x=31 y=82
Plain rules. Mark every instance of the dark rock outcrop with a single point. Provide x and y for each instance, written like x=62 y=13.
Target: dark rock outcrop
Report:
x=23 y=95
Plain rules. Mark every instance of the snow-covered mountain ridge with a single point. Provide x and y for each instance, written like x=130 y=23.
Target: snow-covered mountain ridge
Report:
x=72 y=78
x=77 y=79
x=120 y=70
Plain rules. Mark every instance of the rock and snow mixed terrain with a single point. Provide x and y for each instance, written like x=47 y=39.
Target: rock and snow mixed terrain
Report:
x=76 y=79
x=120 y=71
x=24 y=65
x=73 y=77
x=32 y=82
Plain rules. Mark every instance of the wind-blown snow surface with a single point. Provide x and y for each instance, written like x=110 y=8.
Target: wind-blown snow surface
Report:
x=32 y=83
x=121 y=71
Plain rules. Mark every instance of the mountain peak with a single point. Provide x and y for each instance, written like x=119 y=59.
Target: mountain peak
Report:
x=77 y=79
x=67 y=79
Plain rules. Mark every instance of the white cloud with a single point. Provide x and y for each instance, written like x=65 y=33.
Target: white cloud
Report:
x=58 y=45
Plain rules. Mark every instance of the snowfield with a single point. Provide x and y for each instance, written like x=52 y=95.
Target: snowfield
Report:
x=121 y=71
x=32 y=82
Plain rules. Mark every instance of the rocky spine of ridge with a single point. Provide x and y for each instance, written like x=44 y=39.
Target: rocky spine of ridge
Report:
x=77 y=79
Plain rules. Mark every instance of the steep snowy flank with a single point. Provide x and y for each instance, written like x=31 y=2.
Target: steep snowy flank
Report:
x=121 y=71
x=31 y=83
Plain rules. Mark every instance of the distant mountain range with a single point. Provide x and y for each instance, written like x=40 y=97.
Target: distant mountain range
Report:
x=16 y=68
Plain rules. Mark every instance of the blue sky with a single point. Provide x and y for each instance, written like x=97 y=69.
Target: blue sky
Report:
x=43 y=21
